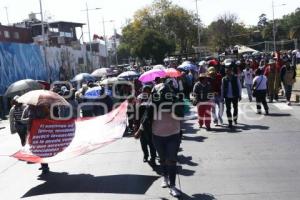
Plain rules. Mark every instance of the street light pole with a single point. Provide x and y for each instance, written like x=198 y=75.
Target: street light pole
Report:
x=198 y=25
x=6 y=10
x=115 y=41
x=43 y=41
x=274 y=31
x=274 y=25
x=89 y=28
x=42 y=21
x=88 y=23
x=105 y=43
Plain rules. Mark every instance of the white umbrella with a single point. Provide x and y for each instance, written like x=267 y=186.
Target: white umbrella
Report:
x=42 y=97
x=159 y=67
x=128 y=74
x=109 y=81
x=102 y=72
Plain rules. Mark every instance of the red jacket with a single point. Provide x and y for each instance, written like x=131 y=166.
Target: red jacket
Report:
x=216 y=83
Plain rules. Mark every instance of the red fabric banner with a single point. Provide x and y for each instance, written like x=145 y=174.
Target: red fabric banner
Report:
x=57 y=140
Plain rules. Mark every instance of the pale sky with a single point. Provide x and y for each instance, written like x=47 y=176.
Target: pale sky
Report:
x=120 y=10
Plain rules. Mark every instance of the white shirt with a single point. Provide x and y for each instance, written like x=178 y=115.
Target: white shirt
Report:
x=248 y=74
x=165 y=125
x=298 y=54
x=260 y=82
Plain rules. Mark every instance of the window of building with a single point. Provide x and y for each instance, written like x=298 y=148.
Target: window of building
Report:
x=54 y=30
x=0 y=33
x=6 y=34
x=16 y=35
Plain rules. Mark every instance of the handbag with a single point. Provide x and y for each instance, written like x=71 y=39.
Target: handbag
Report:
x=254 y=90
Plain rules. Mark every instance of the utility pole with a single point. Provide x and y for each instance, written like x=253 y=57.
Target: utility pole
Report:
x=115 y=41
x=44 y=42
x=6 y=10
x=89 y=28
x=274 y=25
x=105 y=43
x=274 y=31
x=198 y=26
x=88 y=23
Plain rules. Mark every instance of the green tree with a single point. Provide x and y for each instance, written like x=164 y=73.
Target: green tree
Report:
x=177 y=25
x=153 y=45
x=226 y=32
x=263 y=21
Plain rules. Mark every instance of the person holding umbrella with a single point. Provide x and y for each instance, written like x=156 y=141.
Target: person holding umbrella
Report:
x=31 y=113
x=38 y=107
x=16 y=124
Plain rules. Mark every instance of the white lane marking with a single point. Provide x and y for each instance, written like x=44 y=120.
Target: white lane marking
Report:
x=282 y=106
x=244 y=94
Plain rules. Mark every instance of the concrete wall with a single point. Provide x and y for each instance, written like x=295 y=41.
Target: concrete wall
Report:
x=20 y=61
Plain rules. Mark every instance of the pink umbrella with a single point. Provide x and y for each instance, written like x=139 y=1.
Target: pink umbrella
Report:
x=171 y=72
x=151 y=75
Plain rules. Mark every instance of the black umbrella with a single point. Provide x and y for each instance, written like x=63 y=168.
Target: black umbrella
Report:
x=21 y=87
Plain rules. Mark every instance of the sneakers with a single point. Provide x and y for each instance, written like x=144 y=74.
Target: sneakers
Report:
x=174 y=192
x=152 y=162
x=165 y=182
x=145 y=159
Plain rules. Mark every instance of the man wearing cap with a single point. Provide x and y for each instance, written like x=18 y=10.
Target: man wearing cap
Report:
x=216 y=82
x=202 y=93
x=231 y=91
x=202 y=67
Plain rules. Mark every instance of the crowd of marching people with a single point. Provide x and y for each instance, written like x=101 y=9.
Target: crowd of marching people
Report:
x=156 y=107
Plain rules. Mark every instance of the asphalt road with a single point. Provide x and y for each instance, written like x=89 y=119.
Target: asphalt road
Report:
x=259 y=160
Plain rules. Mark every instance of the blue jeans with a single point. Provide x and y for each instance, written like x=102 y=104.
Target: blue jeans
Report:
x=249 y=91
x=288 y=91
x=218 y=113
x=167 y=149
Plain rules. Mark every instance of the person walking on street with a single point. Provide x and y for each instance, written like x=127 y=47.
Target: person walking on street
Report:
x=273 y=77
x=288 y=78
x=201 y=92
x=146 y=135
x=231 y=91
x=248 y=77
x=16 y=124
x=37 y=112
x=260 y=91
x=166 y=133
x=218 y=107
